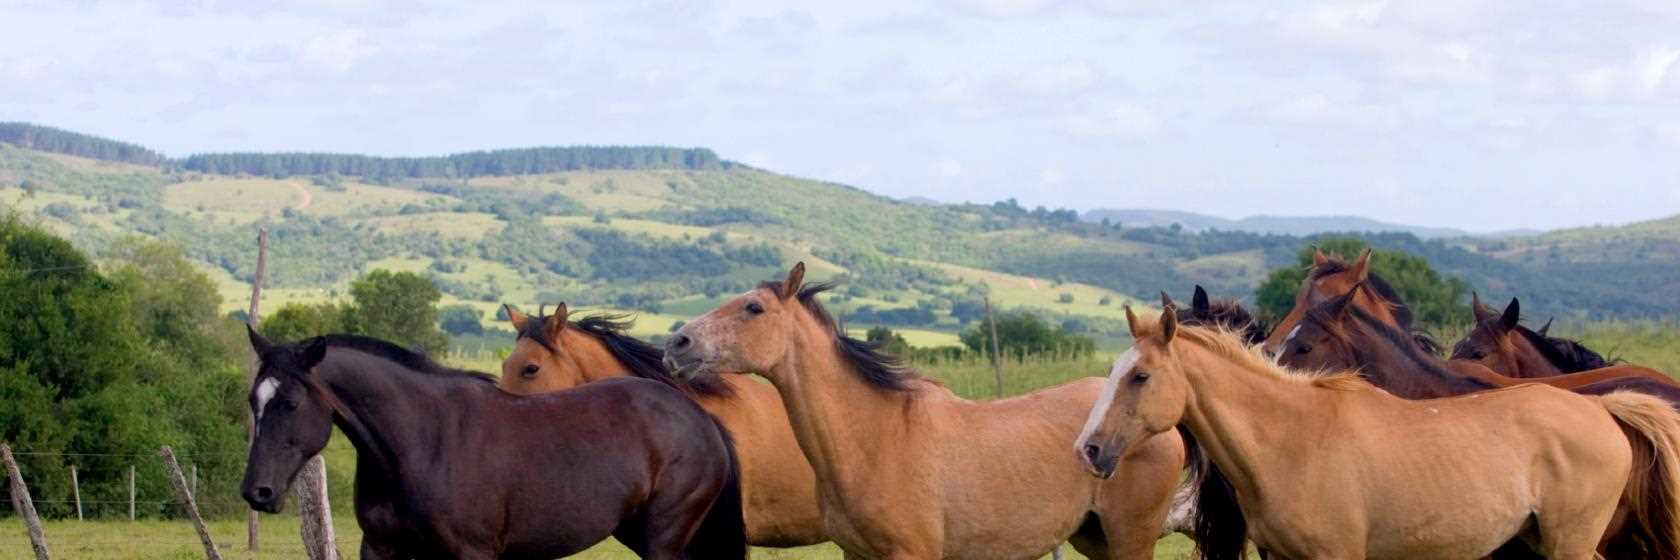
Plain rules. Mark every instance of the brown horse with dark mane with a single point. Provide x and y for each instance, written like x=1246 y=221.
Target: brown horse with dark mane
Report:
x=1500 y=342
x=449 y=466
x=553 y=353
x=1331 y=278
x=908 y=470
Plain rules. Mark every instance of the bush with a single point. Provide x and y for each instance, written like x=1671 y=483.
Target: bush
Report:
x=461 y=320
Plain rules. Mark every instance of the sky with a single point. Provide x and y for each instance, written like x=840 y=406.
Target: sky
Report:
x=1463 y=113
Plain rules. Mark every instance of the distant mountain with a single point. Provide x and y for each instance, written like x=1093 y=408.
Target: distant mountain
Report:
x=1287 y=225
x=920 y=201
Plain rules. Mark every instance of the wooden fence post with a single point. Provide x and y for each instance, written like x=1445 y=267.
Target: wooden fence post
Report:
x=253 y=317
x=24 y=505
x=315 y=511
x=997 y=355
x=194 y=485
x=188 y=502
x=76 y=490
x=131 y=492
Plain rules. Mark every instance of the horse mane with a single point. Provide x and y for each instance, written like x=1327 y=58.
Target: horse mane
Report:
x=1231 y=345
x=1229 y=313
x=640 y=358
x=878 y=368
x=409 y=359
x=1568 y=355
x=1428 y=363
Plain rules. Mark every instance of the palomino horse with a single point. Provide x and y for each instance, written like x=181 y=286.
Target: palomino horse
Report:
x=780 y=491
x=1330 y=278
x=449 y=466
x=1330 y=467
x=1500 y=342
x=908 y=470
x=1337 y=335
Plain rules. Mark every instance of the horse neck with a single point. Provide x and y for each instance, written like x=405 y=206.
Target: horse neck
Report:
x=591 y=356
x=839 y=420
x=391 y=409
x=1530 y=361
x=1245 y=419
x=1405 y=374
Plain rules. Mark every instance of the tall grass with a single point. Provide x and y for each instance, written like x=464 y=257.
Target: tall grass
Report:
x=972 y=376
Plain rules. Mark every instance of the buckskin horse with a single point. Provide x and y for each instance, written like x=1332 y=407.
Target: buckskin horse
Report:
x=1331 y=467
x=551 y=353
x=908 y=470
x=449 y=466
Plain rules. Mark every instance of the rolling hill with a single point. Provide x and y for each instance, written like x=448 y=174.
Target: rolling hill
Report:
x=1286 y=225
x=668 y=232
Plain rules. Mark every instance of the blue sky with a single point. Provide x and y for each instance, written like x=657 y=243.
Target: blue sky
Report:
x=1470 y=114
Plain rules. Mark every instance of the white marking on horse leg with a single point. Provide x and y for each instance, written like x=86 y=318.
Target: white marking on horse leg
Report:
x=1122 y=365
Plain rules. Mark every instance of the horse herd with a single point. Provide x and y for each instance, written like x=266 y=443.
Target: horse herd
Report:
x=1338 y=433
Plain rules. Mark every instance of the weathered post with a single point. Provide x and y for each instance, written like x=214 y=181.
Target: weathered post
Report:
x=24 y=505
x=131 y=492
x=997 y=354
x=76 y=490
x=255 y=318
x=188 y=501
x=315 y=511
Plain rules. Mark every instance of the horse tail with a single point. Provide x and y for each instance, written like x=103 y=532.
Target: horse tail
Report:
x=723 y=533
x=1653 y=489
x=1220 y=530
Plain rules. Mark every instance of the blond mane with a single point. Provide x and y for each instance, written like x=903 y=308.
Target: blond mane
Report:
x=1229 y=344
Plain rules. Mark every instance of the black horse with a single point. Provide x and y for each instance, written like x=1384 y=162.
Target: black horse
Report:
x=449 y=466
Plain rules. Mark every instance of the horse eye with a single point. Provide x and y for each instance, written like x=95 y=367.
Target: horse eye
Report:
x=1477 y=355
x=754 y=308
x=1140 y=377
x=1303 y=349
x=529 y=372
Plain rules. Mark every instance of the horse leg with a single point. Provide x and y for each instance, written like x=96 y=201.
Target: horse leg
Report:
x=376 y=549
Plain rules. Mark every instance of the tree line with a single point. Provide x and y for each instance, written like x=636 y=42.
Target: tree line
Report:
x=58 y=141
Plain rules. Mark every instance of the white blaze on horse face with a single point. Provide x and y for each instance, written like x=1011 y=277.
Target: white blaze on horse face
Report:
x=1292 y=333
x=265 y=393
x=1122 y=365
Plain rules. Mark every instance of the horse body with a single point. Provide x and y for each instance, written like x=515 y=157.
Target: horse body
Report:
x=778 y=485
x=450 y=467
x=1335 y=468
x=906 y=469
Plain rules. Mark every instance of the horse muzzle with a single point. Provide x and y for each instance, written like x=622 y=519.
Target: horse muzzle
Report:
x=264 y=498
x=1098 y=461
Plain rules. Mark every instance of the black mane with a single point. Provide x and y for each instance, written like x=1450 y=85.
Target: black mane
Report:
x=876 y=367
x=1568 y=355
x=409 y=359
x=1230 y=314
x=643 y=360
x=1402 y=312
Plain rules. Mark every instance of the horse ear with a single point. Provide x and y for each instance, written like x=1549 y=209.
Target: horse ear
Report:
x=1166 y=300
x=1513 y=313
x=1545 y=327
x=519 y=320
x=1362 y=268
x=314 y=352
x=1319 y=258
x=1132 y=323
x=1476 y=307
x=1169 y=324
x=795 y=280
x=1199 y=302
x=555 y=323
x=1340 y=304
x=258 y=343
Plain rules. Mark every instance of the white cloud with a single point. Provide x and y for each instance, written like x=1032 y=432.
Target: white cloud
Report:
x=1006 y=8
x=1059 y=78
x=26 y=68
x=1670 y=133
x=337 y=51
x=1318 y=109
x=1120 y=120
x=1647 y=74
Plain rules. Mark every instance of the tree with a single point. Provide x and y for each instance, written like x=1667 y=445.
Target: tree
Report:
x=297 y=321
x=1064 y=298
x=889 y=341
x=400 y=307
x=460 y=319
x=1022 y=334
x=1435 y=300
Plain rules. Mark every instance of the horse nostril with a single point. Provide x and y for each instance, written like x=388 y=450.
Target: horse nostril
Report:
x=265 y=493
x=681 y=342
x=1092 y=451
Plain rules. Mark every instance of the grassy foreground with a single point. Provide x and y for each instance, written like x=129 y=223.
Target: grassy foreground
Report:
x=175 y=540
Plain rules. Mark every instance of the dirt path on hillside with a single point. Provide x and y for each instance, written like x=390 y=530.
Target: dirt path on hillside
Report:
x=305 y=198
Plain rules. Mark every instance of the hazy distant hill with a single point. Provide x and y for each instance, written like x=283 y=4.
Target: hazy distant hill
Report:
x=1288 y=225
x=669 y=232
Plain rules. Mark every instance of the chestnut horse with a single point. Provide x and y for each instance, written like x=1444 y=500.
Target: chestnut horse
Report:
x=551 y=353
x=1337 y=335
x=908 y=470
x=1330 y=278
x=1330 y=467
x=1500 y=342
x=449 y=466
